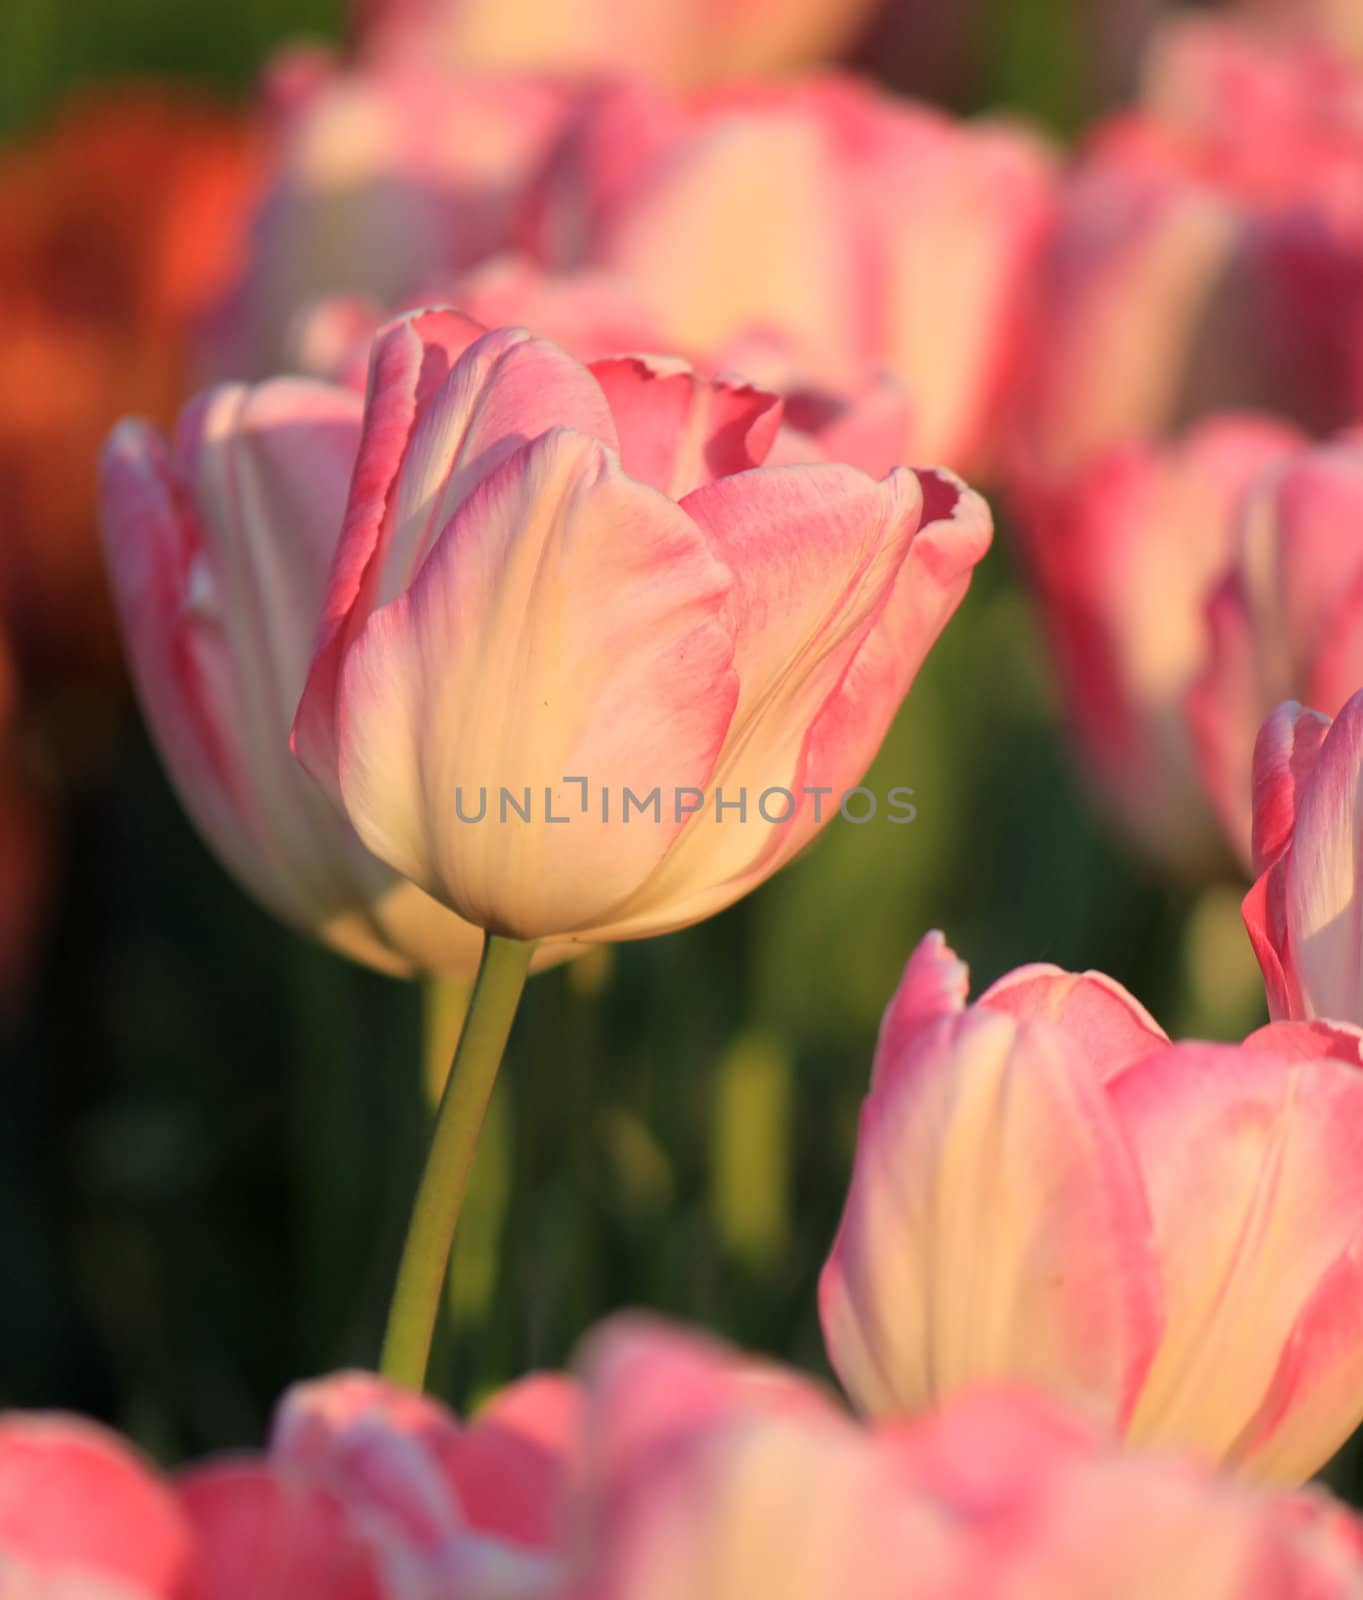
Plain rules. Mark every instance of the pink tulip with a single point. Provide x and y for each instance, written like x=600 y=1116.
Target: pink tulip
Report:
x=592 y=316
x=218 y=548
x=1124 y=558
x=82 y=1517
x=558 y=585
x=1209 y=253
x=674 y=41
x=366 y=1492
x=1303 y=911
x=1335 y=22
x=864 y=233
x=1286 y=622
x=382 y=182
x=1168 y=1236
x=712 y=1478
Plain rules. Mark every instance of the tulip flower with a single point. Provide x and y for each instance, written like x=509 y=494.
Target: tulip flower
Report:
x=364 y=1493
x=382 y=183
x=76 y=1505
x=1303 y=911
x=218 y=547
x=1334 y=22
x=592 y=316
x=1209 y=254
x=675 y=41
x=1284 y=622
x=866 y=233
x=587 y=670
x=710 y=1477
x=548 y=571
x=1048 y=1191
x=1124 y=558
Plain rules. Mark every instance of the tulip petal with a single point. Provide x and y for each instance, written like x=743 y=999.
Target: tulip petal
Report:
x=1108 y=1026
x=275 y=1536
x=439 y=418
x=995 y=1228
x=935 y=984
x=954 y=533
x=818 y=552
x=1253 y=1164
x=75 y=1497
x=679 y=430
x=496 y=672
x=1322 y=907
x=513 y=1462
x=1284 y=757
x=371 y=1442
x=1315 y=1400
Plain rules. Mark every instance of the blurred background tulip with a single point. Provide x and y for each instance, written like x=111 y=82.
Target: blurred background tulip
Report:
x=211 y=1123
x=1303 y=911
x=218 y=552
x=672 y=41
x=1209 y=252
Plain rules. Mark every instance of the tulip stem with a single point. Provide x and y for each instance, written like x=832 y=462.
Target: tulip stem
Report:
x=463 y=1106
x=445 y=1004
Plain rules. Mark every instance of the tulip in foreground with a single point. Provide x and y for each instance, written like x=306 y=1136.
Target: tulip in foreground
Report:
x=713 y=1478
x=218 y=547
x=1304 y=911
x=1169 y=1236
x=364 y=1493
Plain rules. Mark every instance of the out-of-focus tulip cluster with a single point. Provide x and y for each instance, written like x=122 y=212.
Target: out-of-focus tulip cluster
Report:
x=572 y=507
x=670 y=1467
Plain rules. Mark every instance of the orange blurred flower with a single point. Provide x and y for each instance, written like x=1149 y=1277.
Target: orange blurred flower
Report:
x=122 y=220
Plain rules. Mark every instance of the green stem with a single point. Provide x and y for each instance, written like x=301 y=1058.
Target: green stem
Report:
x=430 y=1235
x=445 y=1004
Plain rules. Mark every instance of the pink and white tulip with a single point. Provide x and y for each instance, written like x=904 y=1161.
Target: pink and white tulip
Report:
x=1334 y=22
x=218 y=547
x=366 y=1492
x=562 y=584
x=82 y=1516
x=865 y=233
x=1305 y=911
x=669 y=41
x=1286 y=622
x=710 y=1477
x=382 y=181
x=1124 y=558
x=594 y=317
x=1209 y=254
x=1167 y=1236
